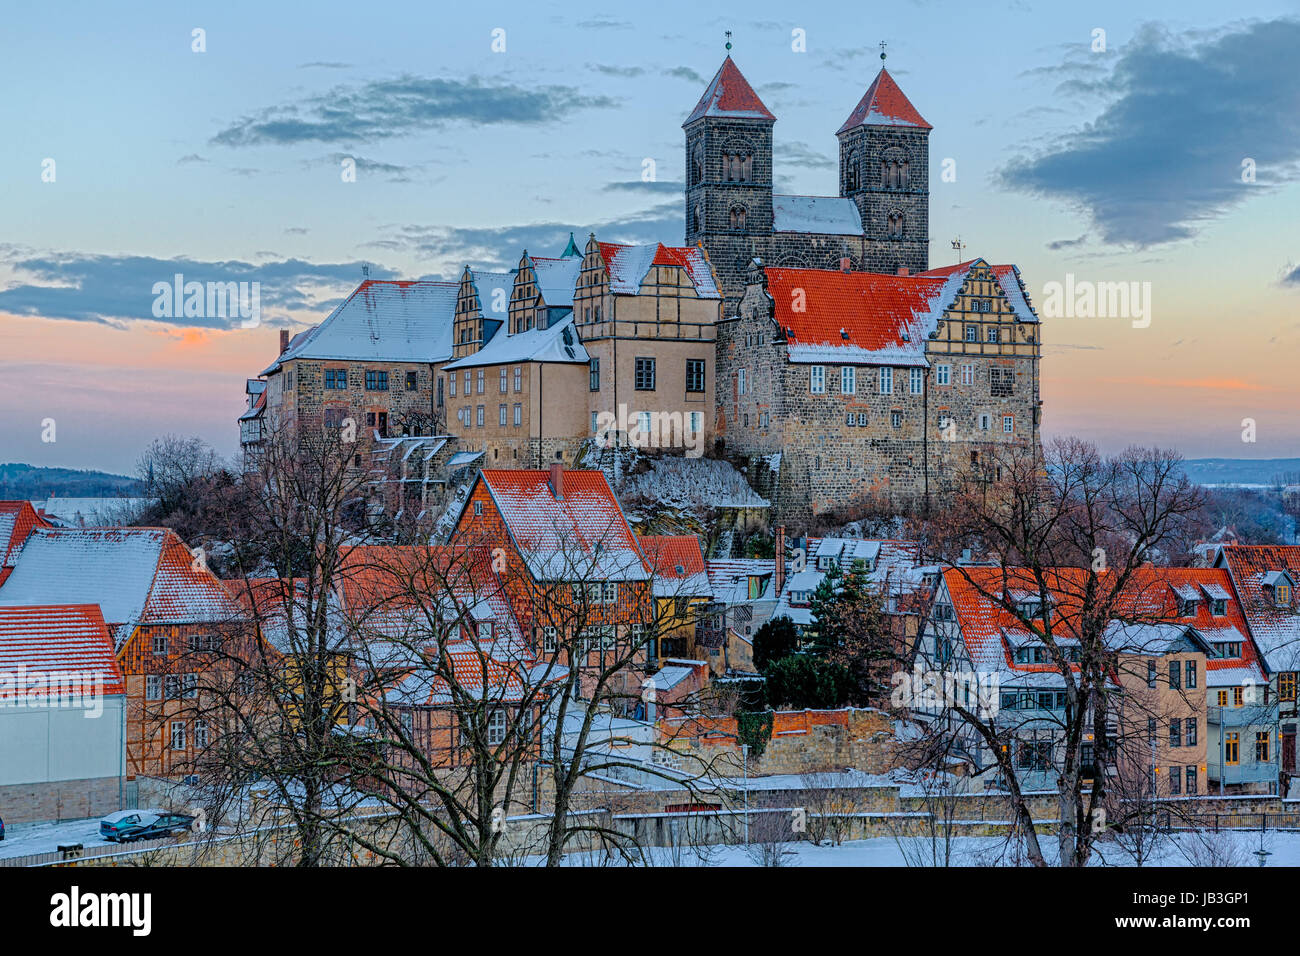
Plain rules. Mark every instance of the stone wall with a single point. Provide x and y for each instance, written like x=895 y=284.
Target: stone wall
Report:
x=60 y=800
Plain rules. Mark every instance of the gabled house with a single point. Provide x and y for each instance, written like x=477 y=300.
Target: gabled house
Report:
x=167 y=613
x=17 y=520
x=690 y=623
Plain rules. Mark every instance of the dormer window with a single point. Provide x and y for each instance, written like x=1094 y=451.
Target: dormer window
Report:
x=1187 y=607
x=1282 y=594
x=1219 y=607
x=1228 y=648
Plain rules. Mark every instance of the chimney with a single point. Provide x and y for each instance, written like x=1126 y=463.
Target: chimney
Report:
x=284 y=341
x=844 y=265
x=902 y=270
x=557 y=479
x=778 y=577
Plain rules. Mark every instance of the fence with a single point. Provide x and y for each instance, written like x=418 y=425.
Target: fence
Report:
x=81 y=852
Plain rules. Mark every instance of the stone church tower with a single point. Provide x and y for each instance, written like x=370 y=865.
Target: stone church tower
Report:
x=879 y=221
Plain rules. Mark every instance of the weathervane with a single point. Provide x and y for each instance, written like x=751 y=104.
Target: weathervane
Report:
x=882 y=50
x=958 y=246
x=728 y=41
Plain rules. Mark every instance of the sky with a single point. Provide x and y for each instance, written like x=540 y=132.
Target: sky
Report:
x=1088 y=144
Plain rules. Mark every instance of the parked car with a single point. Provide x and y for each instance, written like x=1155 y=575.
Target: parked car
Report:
x=166 y=825
x=2 y=828
x=123 y=824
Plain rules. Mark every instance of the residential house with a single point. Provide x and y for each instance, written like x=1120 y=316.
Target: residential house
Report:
x=17 y=520
x=689 y=623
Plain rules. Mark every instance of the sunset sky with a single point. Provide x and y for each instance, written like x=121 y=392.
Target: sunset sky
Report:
x=1122 y=164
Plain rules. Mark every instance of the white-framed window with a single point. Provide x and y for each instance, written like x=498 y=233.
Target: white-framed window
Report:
x=740 y=381
x=1008 y=424
x=609 y=592
x=985 y=421
x=519 y=414
x=849 y=419
x=817 y=379
x=972 y=333
x=968 y=374
x=482 y=375
x=848 y=380
x=504 y=382
x=896 y=418
x=200 y=734
x=190 y=683
x=171 y=687
x=152 y=687
x=451 y=379
x=862 y=419
x=643 y=423
x=697 y=422
x=496 y=728
x=160 y=643
x=501 y=414
x=468 y=388
x=479 y=416
x=519 y=378
x=991 y=335
x=886 y=381
x=764 y=419
x=550 y=639
x=178 y=735
x=942 y=374
x=916 y=381
x=478 y=507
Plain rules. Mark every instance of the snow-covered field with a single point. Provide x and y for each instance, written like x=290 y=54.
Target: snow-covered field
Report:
x=22 y=839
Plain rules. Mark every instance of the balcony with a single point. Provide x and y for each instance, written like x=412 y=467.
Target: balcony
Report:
x=1247 y=715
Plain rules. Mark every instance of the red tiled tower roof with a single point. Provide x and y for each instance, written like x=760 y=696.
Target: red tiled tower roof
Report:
x=729 y=95
x=884 y=104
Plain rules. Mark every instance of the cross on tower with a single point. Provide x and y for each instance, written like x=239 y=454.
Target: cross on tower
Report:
x=728 y=40
x=882 y=50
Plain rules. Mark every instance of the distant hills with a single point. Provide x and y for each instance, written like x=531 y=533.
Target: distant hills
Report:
x=18 y=481
x=1242 y=471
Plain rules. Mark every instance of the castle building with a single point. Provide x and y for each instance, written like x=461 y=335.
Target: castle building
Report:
x=879 y=222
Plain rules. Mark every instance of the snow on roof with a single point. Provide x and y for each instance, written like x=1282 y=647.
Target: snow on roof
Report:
x=883 y=105
x=17 y=520
x=92 y=512
x=729 y=95
x=282 y=609
x=678 y=565
x=867 y=317
x=1275 y=629
x=673 y=672
x=63 y=649
x=383 y=321
x=556 y=278
x=135 y=575
x=848 y=550
x=257 y=409
x=462 y=458
x=729 y=578
x=559 y=343
x=582 y=536
x=493 y=290
x=827 y=215
x=627 y=266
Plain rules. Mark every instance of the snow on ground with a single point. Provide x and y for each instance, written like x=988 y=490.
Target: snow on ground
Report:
x=22 y=839
x=1226 y=848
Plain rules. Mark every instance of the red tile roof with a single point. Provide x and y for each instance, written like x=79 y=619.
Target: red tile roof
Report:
x=627 y=266
x=884 y=105
x=61 y=648
x=729 y=95
x=1275 y=629
x=17 y=519
x=678 y=565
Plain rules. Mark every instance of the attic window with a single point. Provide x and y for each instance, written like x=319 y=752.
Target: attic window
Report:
x=1187 y=607
x=678 y=569
x=1282 y=594
x=1219 y=607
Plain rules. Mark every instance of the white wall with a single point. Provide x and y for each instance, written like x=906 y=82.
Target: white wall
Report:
x=41 y=744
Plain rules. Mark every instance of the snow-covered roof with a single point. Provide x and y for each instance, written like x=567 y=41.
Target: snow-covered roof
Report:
x=673 y=672
x=383 y=321
x=62 y=649
x=92 y=512
x=627 y=266
x=884 y=104
x=1276 y=630
x=493 y=294
x=827 y=215
x=678 y=565
x=556 y=278
x=729 y=95
x=729 y=578
x=17 y=519
x=559 y=343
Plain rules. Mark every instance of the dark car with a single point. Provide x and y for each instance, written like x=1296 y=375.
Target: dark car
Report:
x=166 y=825
x=123 y=824
x=2 y=828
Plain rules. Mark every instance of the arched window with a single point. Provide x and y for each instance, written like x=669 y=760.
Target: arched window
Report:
x=894 y=225
x=737 y=167
x=851 y=177
x=737 y=217
x=697 y=165
x=699 y=218
x=894 y=172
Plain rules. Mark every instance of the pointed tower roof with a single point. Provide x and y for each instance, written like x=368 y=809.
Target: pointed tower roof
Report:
x=729 y=95
x=883 y=105
x=571 y=249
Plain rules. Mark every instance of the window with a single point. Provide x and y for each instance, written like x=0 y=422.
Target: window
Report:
x=737 y=217
x=410 y=381
x=991 y=335
x=1237 y=696
x=848 y=380
x=697 y=422
x=1175 y=733
x=336 y=378
x=1222 y=698
x=609 y=592
x=376 y=381
x=288 y=381
x=849 y=419
x=862 y=419
x=916 y=381
x=1286 y=685
x=695 y=375
x=1008 y=424
x=968 y=374
x=645 y=375
x=468 y=388
x=441 y=400
x=1262 y=738
x=1190 y=669
x=737 y=167
x=452 y=379
x=478 y=507
x=160 y=644
x=852 y=171
x=984 y=422
x=1219 y=607
x=1282 y=594
x=942 y=374
x=1191 y=780
x=550 y=639
x=894 y=225
x=479 y=416
x=200 y=734
x=593 y=375
x=1034 y=755
x=1189 y=732
x=1175 y=675
x=501 y=415
x=482 y=375
x=1002 y=382
x=152 y=687
x=972 y=333
x=1151 y=673
x=645 y=424
x=178 y=735
x=740 y=381
x=505 y=383
x=1232 y=747
x=817 y=379
x=886 y=381
x=519 y=414
x=496 y=728
x=519 y=378
x=896 y=418
x=1175 y=781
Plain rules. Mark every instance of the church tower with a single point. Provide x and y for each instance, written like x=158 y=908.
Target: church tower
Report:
x=729 y=174
x=885 y=170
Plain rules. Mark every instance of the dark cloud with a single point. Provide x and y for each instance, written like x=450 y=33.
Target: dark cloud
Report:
x=190 y=158
x=604 y=23
x=1291 y=276
x=407 y=104
x=801 y=154
x=638 y=186
x=1058 y=244
x=608 y=70
x=117 y=289
x=325 y=65
x=685 y=73
x=1165 y=154
x=373 y=167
